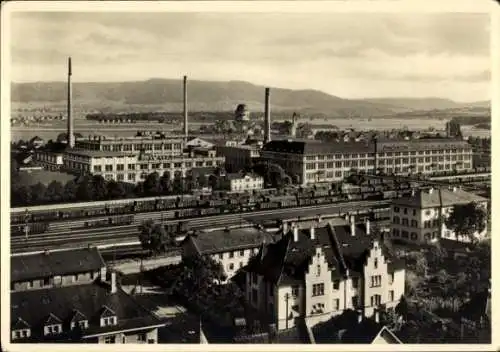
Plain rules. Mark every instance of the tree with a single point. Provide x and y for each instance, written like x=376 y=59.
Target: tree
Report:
x=437 y=254
x=115 y=190
x=166 y=184
x=85 y=189
x=154 y=237
x=38 y=193
x=55 y=192
x=99 y=189
x=152 y=184
x=467 y=220
x=421 y=265
x=402 y=308
x=70 y=191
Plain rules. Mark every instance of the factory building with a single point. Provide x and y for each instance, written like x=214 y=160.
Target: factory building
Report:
x=310 y=161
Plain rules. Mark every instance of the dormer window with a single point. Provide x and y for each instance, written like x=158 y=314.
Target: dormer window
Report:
x=79 y=320
x=20 y=329
x=53 y=325
x=108 y=317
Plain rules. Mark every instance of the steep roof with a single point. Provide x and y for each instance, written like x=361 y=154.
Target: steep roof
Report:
x=431 y=198
x=287 y=260
x=35 y=266
x=220 y=241
x=35 y=306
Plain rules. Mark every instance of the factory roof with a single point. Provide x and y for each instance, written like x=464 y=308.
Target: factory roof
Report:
x=432 y=198
x=99 y=153
x=311 y=147
x=28 y=267
x=62 y=305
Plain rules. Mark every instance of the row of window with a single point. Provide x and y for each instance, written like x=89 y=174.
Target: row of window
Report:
x=389 y=154
x=405 y=222
x=187 y=164
x=405 y=210
x=140 y=146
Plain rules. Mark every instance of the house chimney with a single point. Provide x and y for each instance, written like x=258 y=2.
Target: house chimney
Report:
x=360 y=317
x=353 y=226
x=431 y=190
x=367 y=225
x=186 y=128
x=285 y=227
x=312 y=231
x=376 y=316
x=103 y=274
x=113 y=282
x=70 y=132
x=267 y=117
x=295 y=233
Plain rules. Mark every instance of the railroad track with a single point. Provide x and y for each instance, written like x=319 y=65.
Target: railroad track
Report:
x=128 y=233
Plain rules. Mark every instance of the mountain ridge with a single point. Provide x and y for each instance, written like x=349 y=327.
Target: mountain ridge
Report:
x=216 y=95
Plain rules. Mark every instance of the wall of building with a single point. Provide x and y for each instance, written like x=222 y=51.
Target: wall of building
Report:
x=236 y=261
x=375 y=266
x=150 y=336
x=53 y=281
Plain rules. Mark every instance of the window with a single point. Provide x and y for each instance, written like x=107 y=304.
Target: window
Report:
x=231 y=254
x=120 y=167
x=107 y=321
x=376 y=281
x=97 y=168
x=391 y=295
x=254 y=295
x=318 y=270
x=375 y=263
x=255 y=278
x=375 y=300
x=405 y=211
x=295 y=291
x=336 y=304
x=231 y=266
x=318 y=289
x=391 y=278
x=110 y=339
x=336 y=284
x=355 y=301
x=109 y=167
x=355 y=282
x=46 y=281
x=395 y=220
x=221 y=255
x=242 y=253
x=131 y=177
x=141 y=337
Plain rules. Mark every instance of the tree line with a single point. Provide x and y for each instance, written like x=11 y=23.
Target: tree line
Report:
x=95 y=188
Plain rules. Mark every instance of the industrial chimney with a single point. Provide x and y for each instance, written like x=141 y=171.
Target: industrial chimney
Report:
x=70 y=132
x=267 y=119
x=186 y=129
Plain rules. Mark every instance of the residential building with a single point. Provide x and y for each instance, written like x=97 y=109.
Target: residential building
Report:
x=55 y=269
x=69 y=296
x=311 y=275
x=420 y=218
x=97 y=312
x=311 y=161
x=232 y=248
x=352 y=327
x=237 y=182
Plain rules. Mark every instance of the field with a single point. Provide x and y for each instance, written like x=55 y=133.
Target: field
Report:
x=51 y=130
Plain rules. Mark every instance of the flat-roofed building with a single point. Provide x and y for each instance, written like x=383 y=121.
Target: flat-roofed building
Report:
x=420 y=218
x=310 y=161
x=237 y=182
x=239 y=157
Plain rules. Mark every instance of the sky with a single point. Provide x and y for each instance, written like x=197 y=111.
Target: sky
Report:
x=350 y=55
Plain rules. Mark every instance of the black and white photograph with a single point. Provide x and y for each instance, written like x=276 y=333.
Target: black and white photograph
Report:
x=222 y=175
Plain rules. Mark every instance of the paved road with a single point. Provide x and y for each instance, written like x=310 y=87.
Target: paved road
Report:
x=60 y=238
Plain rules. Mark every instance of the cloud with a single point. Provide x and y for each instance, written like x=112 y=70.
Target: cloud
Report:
x=300 y=50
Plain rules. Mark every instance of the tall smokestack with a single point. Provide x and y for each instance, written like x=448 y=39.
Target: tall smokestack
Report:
x=70 y=132
x=186 y=129
x=267 y=118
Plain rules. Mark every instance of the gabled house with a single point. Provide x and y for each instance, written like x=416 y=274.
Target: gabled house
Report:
x=310 y=275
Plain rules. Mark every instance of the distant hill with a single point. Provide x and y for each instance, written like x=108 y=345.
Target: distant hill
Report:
x=202 y=96
x=426 y=104
x=166 y=95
